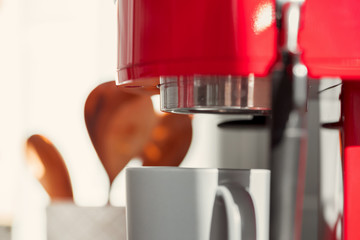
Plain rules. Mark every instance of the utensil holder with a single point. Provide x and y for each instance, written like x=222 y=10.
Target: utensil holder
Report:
x=67 y=221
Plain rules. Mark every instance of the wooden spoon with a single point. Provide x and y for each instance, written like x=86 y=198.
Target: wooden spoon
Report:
x=170 y=141
x=48 y=167
x=119 y=125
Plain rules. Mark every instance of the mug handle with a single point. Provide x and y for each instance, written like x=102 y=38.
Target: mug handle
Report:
x=233 y=209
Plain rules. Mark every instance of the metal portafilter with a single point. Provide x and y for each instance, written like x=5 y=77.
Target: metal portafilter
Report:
x=216 y=94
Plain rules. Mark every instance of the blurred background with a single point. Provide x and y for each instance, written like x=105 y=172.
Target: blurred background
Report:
x=50 y=60
x=52 y=55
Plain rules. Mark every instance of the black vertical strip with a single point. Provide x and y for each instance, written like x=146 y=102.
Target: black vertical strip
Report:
x=244 y=92
x=283 y=157
x=282 y=96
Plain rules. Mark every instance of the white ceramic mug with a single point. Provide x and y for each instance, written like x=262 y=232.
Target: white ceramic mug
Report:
x=174 y=203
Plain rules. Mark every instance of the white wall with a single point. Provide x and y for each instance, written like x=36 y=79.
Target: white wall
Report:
x=11 y=116
x=52 y=54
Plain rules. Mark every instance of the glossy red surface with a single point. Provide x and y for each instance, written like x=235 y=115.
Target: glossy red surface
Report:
x=330 y=38
x=187 y=37
x=350 y=100
x=352 y=193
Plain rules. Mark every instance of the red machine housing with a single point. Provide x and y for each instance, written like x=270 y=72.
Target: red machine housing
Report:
x=206 y=37
x=329 y=40
x=209 y=37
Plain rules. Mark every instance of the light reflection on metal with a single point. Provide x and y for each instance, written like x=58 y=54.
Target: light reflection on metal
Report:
x=216 y=94
x=292 y=20
x=251 y=90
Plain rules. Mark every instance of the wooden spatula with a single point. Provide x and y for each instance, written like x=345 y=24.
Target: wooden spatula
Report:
x=170 y=141
x=48 y=167
x=119 y=125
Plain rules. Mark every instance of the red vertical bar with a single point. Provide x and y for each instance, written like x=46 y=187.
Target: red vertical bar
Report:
x=350 y=100
x=352 y=193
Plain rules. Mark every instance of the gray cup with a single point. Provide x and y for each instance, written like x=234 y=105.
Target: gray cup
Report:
x=166 y=203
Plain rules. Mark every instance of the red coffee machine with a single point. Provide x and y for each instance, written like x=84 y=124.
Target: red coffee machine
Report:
x=230 y=57
x=329 y=33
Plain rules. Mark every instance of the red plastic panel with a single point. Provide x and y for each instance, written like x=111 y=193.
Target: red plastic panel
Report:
x=186 y=37
x=350 y=103
x=330 y=38
x=352 y=193
x=350 y=109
